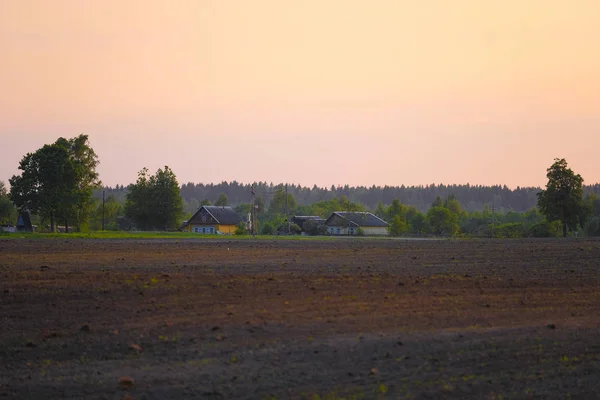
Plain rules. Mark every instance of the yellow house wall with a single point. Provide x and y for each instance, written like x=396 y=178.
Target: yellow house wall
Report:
x=227 y=229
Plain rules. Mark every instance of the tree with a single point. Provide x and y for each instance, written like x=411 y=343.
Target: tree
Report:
x=85 y=178
x=45 y=185
x=563 y=198
x=282 y=202
x=8 y=212
x=442 y=221
x=398 y=226
x=154 y=202
x=57 y=181
x=222 y=201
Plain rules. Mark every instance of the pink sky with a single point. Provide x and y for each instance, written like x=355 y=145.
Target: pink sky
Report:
x=357 y=92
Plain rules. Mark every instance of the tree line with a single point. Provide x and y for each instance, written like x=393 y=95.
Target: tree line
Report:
x=58 y=183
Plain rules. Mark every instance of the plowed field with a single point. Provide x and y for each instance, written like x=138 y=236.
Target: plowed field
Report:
x=296 y=319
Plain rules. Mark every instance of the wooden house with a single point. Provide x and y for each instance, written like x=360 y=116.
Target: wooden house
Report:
x=213 y=220
x=347 y=223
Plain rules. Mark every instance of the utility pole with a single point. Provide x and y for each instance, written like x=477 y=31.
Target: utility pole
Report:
x=253 y=212
x=102 y=209
x=286 y=209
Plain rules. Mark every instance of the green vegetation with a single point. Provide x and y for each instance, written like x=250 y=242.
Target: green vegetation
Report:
x=8 y=211
x=563 y=198
x=153 y=202
x=57 y=182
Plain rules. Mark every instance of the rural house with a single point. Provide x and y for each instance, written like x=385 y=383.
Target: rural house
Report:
x=347 y=223
x=211 y=220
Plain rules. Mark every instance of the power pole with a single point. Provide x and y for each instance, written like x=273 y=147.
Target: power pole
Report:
x=102 y=209
x=253 y=212
x=286 y=209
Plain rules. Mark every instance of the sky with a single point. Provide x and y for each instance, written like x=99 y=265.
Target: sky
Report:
x=358 y=92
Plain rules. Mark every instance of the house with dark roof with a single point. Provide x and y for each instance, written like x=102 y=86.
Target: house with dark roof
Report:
x=213 y=220
x=347 y=223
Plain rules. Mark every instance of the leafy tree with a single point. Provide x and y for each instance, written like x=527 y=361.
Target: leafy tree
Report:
x=396 y=209
x=282 y=202
x=418 y=224
x=563 y=198
x=8 y=212
x=154 y=202
x=205 y=202
x=442 y=221
x=85 y=161
x=453 y=205
x=398 y=226
x=57 y=181
x=46 y=183
x=222 y=201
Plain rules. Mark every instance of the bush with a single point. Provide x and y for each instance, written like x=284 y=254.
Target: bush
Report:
x=510 y=230
x=314 y=228
x=267 y=229
x=241 y=229
x=359 y=232
x=545 y=229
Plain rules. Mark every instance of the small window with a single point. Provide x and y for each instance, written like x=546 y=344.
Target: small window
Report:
x=203 y=230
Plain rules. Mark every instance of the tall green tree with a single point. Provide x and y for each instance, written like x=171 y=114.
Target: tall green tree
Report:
x=442 y=221
x=8 y=212
x=57 y=181
x=563 y=198
x=45 y=184
x=282 y=202
x=85 y=161
x=154 y=202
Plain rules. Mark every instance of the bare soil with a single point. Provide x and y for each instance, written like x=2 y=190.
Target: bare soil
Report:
x=285 y=319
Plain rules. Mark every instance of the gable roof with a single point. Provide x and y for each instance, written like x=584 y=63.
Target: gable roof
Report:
x=359 y=219
x=223 y=215
x=304 y=218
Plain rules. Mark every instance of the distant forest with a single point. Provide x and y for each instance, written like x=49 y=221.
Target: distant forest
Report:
x=470 y=197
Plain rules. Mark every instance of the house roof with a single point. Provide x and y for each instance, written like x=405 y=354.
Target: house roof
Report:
x=304 y=218
x=223 y=215
x=359 y=219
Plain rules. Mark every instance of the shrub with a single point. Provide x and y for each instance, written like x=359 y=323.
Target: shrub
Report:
x=545 y=229
x=267 y=229
x=240 y=229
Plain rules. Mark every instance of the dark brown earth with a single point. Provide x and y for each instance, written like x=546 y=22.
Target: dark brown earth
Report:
x=283 y=319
